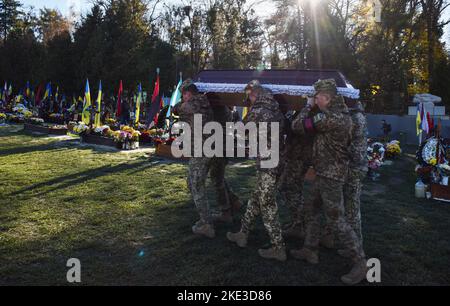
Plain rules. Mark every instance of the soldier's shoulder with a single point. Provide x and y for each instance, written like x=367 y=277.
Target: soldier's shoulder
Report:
x=266 y=96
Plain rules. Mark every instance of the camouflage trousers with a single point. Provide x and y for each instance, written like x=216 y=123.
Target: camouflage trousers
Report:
x=225 y=195
x=197 y=174
x=328 y=199
x=352 y=200
x=291 y=189
x=263 y=202
x=352 y=203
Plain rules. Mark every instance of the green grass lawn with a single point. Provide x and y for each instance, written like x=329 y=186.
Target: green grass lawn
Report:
x=128 y=218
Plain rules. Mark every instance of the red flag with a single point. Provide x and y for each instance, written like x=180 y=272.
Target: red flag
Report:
x=430 y=127
x=432 y=124
x=155 y=105
x=161 y=104
x=37 y=98
x=156 y=90
x=119 y=100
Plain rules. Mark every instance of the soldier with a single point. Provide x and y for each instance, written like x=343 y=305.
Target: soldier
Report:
x=195 y=103
x=297 y=157
x=332 y=128
x=357 y=171
x=264 y=109
x=228 y=202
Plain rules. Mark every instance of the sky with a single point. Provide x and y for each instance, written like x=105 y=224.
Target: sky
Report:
x=82 y=6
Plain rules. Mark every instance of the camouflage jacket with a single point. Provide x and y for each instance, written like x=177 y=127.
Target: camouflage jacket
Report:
x=358 y=143
x=199 y=104
x=266 y=109
x=332 y=127
x=299 y=147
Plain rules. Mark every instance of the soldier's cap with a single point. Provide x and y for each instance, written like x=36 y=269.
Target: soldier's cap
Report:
x=325 y=86
x=253 y=85
x=188 y=85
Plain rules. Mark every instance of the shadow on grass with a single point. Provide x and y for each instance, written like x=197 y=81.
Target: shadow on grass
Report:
x=29 y=149
x=81 y=177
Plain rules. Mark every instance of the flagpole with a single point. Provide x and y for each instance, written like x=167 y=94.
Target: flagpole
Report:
x=420 y=127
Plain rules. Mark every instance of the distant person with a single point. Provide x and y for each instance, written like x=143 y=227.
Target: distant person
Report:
x=125 y=116
x=386 y=127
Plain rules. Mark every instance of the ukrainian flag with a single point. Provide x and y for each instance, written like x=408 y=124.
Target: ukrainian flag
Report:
x=138 y=102
x=28 y=90
x=86 y=115
x=48 y=91
x=99 y=105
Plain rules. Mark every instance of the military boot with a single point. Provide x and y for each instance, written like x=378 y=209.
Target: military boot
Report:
x=273 y=253
x=357 y=273
x=205 y=229
x=310 y=256
x=327 y=241
x=239 y=238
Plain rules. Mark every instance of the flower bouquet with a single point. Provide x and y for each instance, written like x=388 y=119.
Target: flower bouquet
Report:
x=444 y=169
x=393 y=149
x=127 y=138
x=164 y=139
x=22 y=111
x=35 y=121
x=101 y=130
x=110 y=121
x=71 y=125
x=81 y=128
x=16 y=118
x=148 y=136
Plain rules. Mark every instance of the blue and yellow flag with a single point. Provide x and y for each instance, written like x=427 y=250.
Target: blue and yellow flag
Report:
x=86 y=115
x=48 y=91
x=138 y=102
x=28 y=90
x=19 y=97
x=99 y=106
x=57 y=93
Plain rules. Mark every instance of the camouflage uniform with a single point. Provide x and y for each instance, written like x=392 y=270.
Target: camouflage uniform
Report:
x=263 y=202
x=198 y=166
x=330 y=160
x=357 y=170
x=297 y=160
